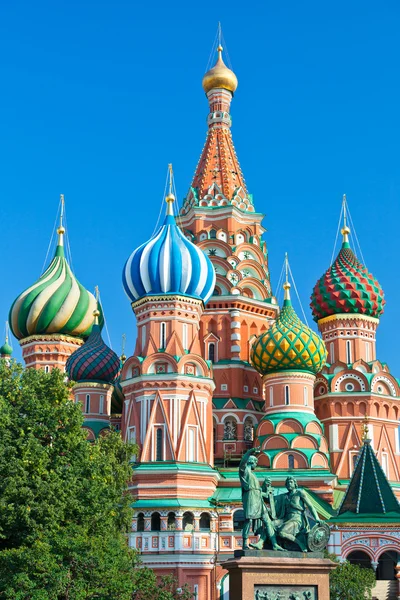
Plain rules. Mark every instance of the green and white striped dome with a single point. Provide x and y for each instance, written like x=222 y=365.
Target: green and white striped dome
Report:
x=55 y=304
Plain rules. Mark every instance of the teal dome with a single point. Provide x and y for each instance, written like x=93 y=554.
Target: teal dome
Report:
x=5 y=349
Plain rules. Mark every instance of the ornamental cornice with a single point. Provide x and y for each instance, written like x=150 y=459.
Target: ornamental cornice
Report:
x=167 y=298
x=348 y=317
x=56 y=337
x=92 y=384
x=289 y=374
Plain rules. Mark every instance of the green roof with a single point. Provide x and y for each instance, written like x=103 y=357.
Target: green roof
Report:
x=240 y=403
x=369 y=496
x=96 y=426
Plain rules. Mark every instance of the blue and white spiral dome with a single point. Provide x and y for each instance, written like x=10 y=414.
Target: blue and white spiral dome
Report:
x=168 y=264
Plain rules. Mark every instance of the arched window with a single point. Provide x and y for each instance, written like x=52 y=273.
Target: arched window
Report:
x=287 y=395
x=348 y=352
x=230 y=429
x=271 y=396
x=291 y=461
x=205 y=521
x=367 y=353
x=305 y=395
x=155 y=522
x=213 y=234
x=163 y=335
x=171 y=521
x=187 y=521
x=140 y=522
x=159 y=444
x=87 y=404
x=211 y=352
x=191 y=449
x=143 y=336
x=101 y=404
x=332 y=352
x=238 y=520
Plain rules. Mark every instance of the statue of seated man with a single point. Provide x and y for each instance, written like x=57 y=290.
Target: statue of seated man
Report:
x=292 y=523
x=256 y=513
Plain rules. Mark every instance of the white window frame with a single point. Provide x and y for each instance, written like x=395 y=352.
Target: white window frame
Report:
x=332 y=352
x=271 y=396
x=305 y=393
x=143 y=334
x=131 y=437
x=352 y=453
x=367 y=352
x=101 y=404
x=348 y=352
x=185 y=336
x=385 y=463
x=154 y=441
x=192 y=443
x=287 y=395
x=163 y=334
x=87 y=404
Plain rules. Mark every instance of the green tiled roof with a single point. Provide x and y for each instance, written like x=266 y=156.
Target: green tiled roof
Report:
x=369 y=496
x=172 y=503
x=240 y=403
x=96 y=426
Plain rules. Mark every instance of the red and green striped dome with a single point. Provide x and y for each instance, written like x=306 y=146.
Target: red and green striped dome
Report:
x=94 y=361
x=347 y=287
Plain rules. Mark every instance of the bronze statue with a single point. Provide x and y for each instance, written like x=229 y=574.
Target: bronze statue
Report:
x=292 y=523
x=255 y=511
x=284 y=516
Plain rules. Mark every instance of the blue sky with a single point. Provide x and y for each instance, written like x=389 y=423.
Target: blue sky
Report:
x=96 y=98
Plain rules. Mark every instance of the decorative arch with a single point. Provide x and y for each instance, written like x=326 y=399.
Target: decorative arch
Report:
x=275 y=442
x=281 y=461
x=319 y=460
x=305 y=442
x=314 y=427
x=341 y=379
x=265 y=427
x=149 y=363
x=385 y=380
x=289 y=426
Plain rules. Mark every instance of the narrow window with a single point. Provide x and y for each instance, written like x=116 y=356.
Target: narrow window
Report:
x=196 y=591
x=47 y=369
x=291 y=461
x=385 y=464
x=163 y=335
x=159 y=444
x=87 y=404
x=143 y=336
x=140 y=522
x=348 y=352
x=332 y=352
x=155 y=522
x=287 y=395
x=271 y=396
x=191 y=445
x=367 y=357
x=305 y=395
x=211 y=352
x=185 y=336
x=101 y=405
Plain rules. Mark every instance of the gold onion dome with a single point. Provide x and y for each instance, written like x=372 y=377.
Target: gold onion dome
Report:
x=289 y=345
x=220 y=76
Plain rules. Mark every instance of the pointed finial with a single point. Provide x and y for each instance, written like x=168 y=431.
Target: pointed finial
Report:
x=365 y=438
x=286 y=285
x=123 y=357
x=170 y=199
x=346 y=230
x=96 y=313
x=61 y=229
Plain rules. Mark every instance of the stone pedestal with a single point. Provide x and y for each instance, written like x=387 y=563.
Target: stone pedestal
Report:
x=269 y=575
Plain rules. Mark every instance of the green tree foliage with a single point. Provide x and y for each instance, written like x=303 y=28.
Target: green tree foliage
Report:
x=64 y=512
x=350 y=582
x=148 y=587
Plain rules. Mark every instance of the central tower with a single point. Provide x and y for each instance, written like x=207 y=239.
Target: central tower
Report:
x=218 y=215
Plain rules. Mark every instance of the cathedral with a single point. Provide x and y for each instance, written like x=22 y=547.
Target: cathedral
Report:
x=220 y=367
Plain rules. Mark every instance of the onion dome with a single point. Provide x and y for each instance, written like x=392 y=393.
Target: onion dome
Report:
x=347 y=287
x=289 y=345
x=168 y=264
x=55 y=304
x=5 y=349
x=220 y=76
x=94 y=361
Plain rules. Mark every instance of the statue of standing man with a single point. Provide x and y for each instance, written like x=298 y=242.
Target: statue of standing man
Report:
x=255 y=511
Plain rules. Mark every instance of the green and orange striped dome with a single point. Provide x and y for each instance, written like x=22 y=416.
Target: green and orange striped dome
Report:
x=289 y=345
x=347 y=287
x=55 y=304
